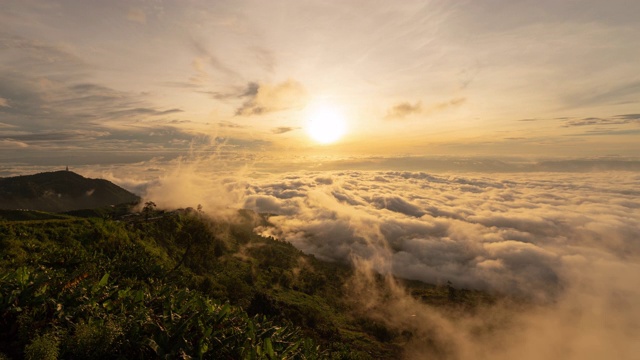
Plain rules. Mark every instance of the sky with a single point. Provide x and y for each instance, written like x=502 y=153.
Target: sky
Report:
x=121 y=82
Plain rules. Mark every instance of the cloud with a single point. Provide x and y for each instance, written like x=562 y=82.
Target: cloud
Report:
x=59 y=135
x=283 y=129
x=42 y=103
x=475 y=232
x=563 y=245
x=593 y=121
x=266 y=98
x=397 y=204
x=204 y=60
x=566 y=243
x=230 y=125
x=59 y=114
x=597 y=126
x=39 y=57
x=265 y=58
x=143 y=111
x=619 y=94
x=405 y=109
x=250 y=90
x=454 y=102
x=12 y=144
x=629 y=116
x=137 y=15
x=4 y=102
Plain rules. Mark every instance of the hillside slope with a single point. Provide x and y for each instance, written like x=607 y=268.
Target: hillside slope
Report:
x=178 y=285
x=60 y=191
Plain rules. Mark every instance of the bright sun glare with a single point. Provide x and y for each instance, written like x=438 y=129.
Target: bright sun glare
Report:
x=325 y=123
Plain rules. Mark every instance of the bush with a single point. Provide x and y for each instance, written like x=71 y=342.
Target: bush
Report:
x=43 y=347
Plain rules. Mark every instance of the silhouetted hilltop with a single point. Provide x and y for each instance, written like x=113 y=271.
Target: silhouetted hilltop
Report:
x=60 y=191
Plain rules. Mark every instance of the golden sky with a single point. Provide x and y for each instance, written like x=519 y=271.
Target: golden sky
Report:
x=126 y=81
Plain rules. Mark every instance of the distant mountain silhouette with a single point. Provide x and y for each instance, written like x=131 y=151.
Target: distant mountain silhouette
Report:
x=60 y=191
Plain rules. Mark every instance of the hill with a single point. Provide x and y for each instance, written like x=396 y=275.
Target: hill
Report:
x=179 y=285
x=60 y=191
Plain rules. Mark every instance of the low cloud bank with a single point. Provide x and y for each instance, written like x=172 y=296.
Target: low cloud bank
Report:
x=567 y=243
x=513 y=235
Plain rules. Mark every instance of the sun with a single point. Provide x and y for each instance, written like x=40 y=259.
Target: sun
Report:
x=326 y=123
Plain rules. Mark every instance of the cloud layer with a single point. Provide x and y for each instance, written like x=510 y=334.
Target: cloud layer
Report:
x=513 y=235
x=566 y=243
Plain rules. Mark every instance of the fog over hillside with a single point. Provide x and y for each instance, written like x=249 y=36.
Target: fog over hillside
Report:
x=565 y=243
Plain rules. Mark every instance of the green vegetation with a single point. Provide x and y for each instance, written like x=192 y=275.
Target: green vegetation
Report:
x=176 y=285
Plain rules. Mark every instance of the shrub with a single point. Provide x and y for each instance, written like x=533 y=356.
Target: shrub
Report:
x=43 y=347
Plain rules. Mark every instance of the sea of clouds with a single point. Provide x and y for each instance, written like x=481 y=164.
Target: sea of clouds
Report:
x=566 y=243
x=515 y=233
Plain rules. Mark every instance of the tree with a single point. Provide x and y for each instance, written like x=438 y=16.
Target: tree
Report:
x=149 y=208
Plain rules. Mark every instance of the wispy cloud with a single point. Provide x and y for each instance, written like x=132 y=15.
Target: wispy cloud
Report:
x=38 y=56
x=61 y=114
x=12 y=144
x=593 y=121
x=621 y=93
x=250 y=90
x=405 y=109
x=230 y=125
x=60 y=135
x=206 y=61
x=283 y=129
x=137 y=15
x=266 y=98
x=629 y=117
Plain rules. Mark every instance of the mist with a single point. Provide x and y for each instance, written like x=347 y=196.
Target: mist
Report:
x=560 y=250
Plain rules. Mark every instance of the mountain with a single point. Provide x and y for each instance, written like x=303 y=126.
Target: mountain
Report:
x=60 y=191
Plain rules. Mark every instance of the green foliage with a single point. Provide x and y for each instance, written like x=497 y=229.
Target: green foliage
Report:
x=177 y=285
x=43 y=347
x=96 y=289
x=96 y=339
x=23 y=215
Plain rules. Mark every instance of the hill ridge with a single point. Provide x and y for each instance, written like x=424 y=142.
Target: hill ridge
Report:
x=60 y=191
